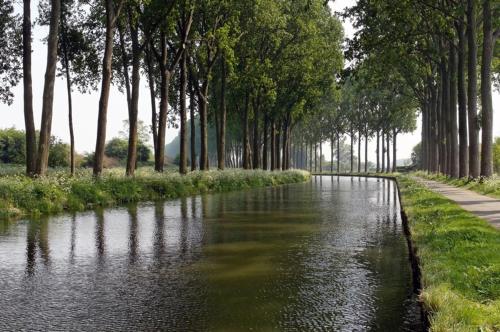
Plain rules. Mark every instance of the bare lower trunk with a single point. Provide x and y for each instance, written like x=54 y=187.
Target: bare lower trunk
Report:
x=202 y=97
x=183 y=116
x=454 y=158
x=29 y=121
x=246 y=140
x=359 y=152
x=70 y=101
x=388 y=153
x=164 y=95
x=193 y=126
x=486 y=98
x=474 y=165
x=265 y=165
x=134 y=101
x=378 y=151
x=383 y=152
x=366 y=153
x=152 y=96
x=338 y=153
x=48 y=89
x=222 y=126
x=256 y=152
x=462 y=105
x=394 y=149
x=352 y=151
x=106 y=82
x=273 y=146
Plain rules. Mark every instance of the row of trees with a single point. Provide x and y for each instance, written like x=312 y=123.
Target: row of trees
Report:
x=254 y=68
x=433 y=46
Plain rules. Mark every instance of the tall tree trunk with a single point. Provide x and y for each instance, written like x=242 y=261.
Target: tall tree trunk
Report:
x=265 y=165
x=435 y=100
x=126 y=77
x=486 y=98
x=332 y=142
x=394 y=149
x=192 y=101
x=273 y=145
x=388 y=153
x=106 y=82
x=338 y=153
x=256 y=145
x=223 y=112
x=164 y=96
x=359 y=152
x=48 y=89
x=70 y=101
x=29 y=121
x=352 y=150
x=315 y=157
x=202 y=97
x=134 y=101
x=474 y=165
x=278 y=148
x=378 y=151
x=320 y=156
x=152 y=96
x=424 y=136
x=462 y=104
x=246 y=139
x=366 y=153
x=454 y=158
x=445 y=92
x=383 y=151
x=183 y=116
x=286 y=138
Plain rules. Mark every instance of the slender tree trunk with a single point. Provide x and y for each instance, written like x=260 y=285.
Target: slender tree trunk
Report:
x=320 y=156
x=278 y=152
x=256 y=145
x=284 y=159
x=445 y=92
x=394 y=149
x=273 y=145
x=378 y=151
x=486 y=98
x=134 y=102
x=222 y=127
x=338 y=153
x=352 y=150
x=388 y=153
x=164 y=97
x=29 y=121
x=436 y=104
x=246 y=139
x=383 y=151
x=454 y=158
x=202 y=97
x=424 y=136
x=462 y=105
x=332 y=142
x=192 y=118
x=474 y=165
x=70 y=101
x=106 y=82
x=48 y=89
x=265 y=149
x=366 y=153
x=152 y=96
x=310 y=157
x=359 y=152
x=315 y=157
x=183 y=116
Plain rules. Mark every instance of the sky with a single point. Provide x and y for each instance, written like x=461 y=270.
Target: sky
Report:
x=85 y=105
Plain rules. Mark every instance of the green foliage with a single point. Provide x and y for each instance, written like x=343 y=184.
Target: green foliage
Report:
x=416 y=155
x=21 y=195
x=459 y=259
x=58 y=153
x=12 y=146
x=118 y=148
x=496 y=155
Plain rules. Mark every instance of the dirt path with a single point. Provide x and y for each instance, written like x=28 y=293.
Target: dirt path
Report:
x=482 y=206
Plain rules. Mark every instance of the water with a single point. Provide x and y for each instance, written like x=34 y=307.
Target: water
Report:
x=326 y=255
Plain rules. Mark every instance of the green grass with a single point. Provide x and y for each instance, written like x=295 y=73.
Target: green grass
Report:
x=23 y=196
x=489 y=187
x=459 y=259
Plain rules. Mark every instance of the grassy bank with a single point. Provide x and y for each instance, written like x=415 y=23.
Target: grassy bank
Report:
x=459 y=260
x=23 y=196
x=489 y=187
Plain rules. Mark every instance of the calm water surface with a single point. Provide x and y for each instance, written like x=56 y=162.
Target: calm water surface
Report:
x=325 y=255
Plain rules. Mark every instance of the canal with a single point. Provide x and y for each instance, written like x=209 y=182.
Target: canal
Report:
x=328 y=255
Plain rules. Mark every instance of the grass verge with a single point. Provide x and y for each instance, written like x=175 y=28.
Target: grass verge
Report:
x=23 y=196
x=459 y=256
x=489 y=187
